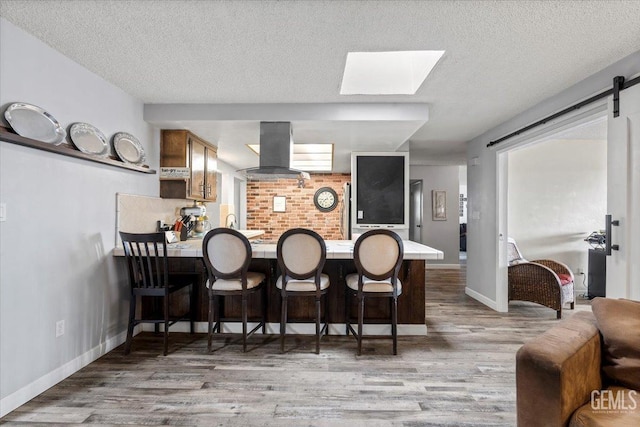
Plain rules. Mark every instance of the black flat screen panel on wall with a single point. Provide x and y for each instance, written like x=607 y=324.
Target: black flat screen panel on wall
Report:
x=380 y=190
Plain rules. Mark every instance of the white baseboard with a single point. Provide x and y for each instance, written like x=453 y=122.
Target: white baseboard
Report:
x=481 y=298
x=28 y=392
x=443 y=266
x=297 y=328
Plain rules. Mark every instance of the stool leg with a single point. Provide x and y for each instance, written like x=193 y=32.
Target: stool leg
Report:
x=220 y=300
x=166 y=323
x=244 y=323
x=360 y=322
x=192 y=305
x=317 y=325
x=132 y=317
x=211 y=316
x=326 y=313
x=347 y=305
x=283 y=323
x=264 y=309
x=394 y=325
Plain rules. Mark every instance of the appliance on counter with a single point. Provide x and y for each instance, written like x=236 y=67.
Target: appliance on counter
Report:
x=192 y=222
x=345 y=212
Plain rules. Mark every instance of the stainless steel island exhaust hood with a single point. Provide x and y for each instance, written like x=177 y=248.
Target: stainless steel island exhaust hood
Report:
x=276 y=150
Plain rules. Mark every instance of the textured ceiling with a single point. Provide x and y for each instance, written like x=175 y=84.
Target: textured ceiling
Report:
x=501 y=57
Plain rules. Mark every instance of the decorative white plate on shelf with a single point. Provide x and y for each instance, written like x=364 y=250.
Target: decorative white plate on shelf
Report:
x=88 y=139
x=128 y=148
x=33 y=122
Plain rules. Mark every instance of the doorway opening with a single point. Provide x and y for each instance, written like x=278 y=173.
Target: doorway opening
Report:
x=462 y=213
x=552 y=194
x=415 y=210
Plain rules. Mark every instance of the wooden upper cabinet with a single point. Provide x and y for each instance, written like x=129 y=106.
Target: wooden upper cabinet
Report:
x=181 y=148
x=211 y=174
x=197 y=185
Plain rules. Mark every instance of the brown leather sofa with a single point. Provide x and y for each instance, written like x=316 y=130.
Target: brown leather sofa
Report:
x=561 y=376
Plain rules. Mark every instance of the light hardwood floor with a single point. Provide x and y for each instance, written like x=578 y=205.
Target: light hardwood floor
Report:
x=461 y=374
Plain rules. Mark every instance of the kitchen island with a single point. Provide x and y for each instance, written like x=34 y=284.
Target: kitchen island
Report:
x=186 y=257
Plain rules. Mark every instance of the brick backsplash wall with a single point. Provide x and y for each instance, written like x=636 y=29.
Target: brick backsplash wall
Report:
x=300 y=209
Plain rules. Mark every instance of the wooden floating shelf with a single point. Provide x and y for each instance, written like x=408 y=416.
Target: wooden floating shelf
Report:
x=66 y=150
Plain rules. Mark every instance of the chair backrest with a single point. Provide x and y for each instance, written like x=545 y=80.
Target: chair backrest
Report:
x=378 y=255
x=146 y=255
x=227 y=254
x=302 y=253
x=514 y=256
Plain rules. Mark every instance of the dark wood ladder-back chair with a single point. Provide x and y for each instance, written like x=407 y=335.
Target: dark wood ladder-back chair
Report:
x=227 y=255
x=149 y=276
x=301 y=255
x=378 y=255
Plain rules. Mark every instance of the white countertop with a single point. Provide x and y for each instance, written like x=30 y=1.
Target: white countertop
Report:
x=336 y=249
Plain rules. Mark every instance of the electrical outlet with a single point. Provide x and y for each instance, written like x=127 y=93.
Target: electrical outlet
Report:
x=3 y=212
x=59 y=328
x=579 y=271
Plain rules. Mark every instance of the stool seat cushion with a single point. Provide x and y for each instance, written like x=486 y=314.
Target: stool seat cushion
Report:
x=305 y=285
x=372 y=285
x=253 y=280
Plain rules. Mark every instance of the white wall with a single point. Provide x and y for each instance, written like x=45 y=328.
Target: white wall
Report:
x=482 y=232
x=442 y=235
x=55 y=261
x=557 y=196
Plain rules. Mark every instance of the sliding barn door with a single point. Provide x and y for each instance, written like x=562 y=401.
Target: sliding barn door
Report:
x=623 y=195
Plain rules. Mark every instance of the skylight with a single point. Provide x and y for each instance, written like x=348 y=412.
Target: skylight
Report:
x=387 y=73
x=308 y=157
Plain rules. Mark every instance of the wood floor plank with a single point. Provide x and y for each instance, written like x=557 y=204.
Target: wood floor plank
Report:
x=461 y=374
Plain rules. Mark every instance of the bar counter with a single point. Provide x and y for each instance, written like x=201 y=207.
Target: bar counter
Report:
x=186 y=257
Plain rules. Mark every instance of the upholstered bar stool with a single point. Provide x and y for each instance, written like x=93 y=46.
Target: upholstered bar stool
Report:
x=227 y=254
x=377 y=255
x=302 y=254
x=149 y=276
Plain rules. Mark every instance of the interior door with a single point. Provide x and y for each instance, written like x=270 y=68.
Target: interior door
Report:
x=623 y=195
x=415 y=210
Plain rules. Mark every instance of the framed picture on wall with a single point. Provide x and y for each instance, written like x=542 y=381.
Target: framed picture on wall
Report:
x=438 y=205
x=279 y=204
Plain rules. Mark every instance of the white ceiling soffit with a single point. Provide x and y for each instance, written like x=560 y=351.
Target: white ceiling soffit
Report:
x=233 y=136
x=348 y=126
x=501 y=58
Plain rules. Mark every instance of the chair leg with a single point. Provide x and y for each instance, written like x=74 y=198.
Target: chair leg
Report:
x=211 y=317
x=360 y=322
x=347 y=305
x=156 y=326
x=283 y=323
x=166 y=324
x=192 y=309
x=132 y=317
x=394 y=325
x=318 y=307
x=559 y=313
x=220 y=304
x=244 y=323
x=573 y=305
x=326 y=313
x=264 y=309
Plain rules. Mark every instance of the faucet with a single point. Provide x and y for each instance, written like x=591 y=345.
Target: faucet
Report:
x=233 y=221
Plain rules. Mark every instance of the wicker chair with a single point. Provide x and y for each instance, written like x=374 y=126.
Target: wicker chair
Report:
x=543 y=281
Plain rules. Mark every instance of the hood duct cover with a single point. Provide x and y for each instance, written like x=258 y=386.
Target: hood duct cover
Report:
x=276 y=149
